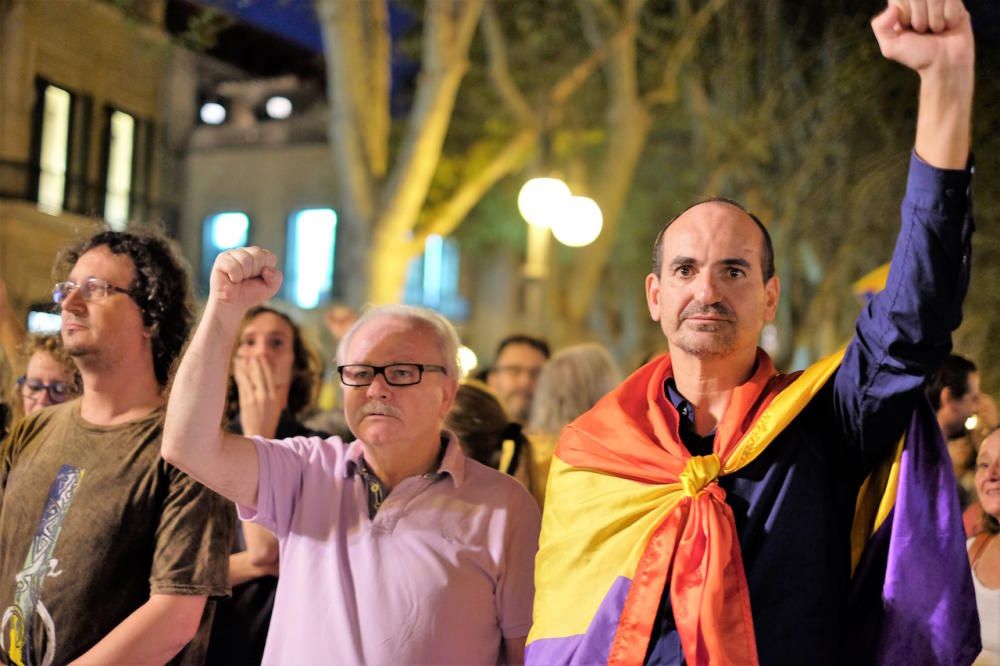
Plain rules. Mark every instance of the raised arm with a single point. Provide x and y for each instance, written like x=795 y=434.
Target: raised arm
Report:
x=934 y=39
x=905 y=331
x=12 y=334
x=192 y=438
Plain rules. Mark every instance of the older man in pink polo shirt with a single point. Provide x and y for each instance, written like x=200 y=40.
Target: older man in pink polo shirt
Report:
x=394 y=548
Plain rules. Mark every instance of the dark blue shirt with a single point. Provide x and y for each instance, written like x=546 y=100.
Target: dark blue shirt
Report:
x=794 y=504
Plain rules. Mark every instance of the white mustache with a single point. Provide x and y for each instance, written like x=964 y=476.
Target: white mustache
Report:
x=379 y=407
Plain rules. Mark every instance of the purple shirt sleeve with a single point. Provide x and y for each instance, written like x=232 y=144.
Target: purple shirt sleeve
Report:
x=904 y=332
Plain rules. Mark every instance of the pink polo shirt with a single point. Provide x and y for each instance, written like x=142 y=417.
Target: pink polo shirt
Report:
x=441 y=575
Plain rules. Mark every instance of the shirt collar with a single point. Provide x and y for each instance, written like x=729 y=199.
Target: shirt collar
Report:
x=680 y=403
x=452 y=463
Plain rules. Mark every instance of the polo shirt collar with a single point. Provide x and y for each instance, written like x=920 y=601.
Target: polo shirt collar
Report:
x=452 y=463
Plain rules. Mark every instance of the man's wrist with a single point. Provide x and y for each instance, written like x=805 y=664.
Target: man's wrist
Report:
x=225 y=316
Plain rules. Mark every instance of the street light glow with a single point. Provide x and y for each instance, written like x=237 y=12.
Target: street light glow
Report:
x=278 y=107
x=467 y=361
x=543 y=200
x=579 y=223
x=213 y=113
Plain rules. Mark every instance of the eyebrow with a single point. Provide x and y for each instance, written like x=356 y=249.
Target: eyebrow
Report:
x=732 y=261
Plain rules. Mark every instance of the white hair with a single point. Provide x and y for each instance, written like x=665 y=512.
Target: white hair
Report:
x=444 y=333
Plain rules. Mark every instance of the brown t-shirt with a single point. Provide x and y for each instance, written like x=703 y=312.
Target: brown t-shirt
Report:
x=92 y=522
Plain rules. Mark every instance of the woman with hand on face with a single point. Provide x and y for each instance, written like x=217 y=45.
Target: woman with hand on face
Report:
x=984 y=549
x=274 y=379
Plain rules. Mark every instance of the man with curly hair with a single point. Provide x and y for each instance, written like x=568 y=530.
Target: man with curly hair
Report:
x=94 y=524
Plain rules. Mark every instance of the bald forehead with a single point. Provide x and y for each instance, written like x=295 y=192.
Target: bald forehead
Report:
x=716 y=224
x=717 y=211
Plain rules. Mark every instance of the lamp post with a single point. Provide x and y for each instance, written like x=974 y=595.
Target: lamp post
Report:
x=548 y=204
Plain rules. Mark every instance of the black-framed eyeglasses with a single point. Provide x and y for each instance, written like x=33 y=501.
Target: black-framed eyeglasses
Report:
x=92 y=289
x=58 y=391
x=396 y=374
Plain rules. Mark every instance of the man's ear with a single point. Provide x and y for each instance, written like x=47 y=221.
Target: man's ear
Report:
x=945 y=397
x=450 y=389
x=653 y=296
x=772 y=294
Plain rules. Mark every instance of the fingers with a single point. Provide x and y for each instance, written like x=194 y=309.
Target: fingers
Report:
x=246 y=263
x=918 y=16
x=263 y=378
x=884 y=27
x=954 y=12
x=929 y=15
x=903 y=17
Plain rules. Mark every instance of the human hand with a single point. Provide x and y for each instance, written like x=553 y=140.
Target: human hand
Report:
x=261 y=398
x=339 y=320
x=244 y=277
x=926 y=34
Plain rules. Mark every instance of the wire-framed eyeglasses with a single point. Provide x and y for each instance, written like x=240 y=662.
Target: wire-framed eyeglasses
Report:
x=58 y=391
x=395 y=374
x=92 y=289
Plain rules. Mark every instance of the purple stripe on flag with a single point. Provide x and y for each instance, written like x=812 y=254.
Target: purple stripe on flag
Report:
x=591 y=647
x=926 y=612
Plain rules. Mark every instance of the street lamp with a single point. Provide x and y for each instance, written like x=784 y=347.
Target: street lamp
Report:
x=579 y=222
x=548 y=203
x=541 y=200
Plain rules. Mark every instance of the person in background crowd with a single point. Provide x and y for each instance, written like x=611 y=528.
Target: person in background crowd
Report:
x=572 y=382
x=109 y=553
x=987 y=421
x=514 y=375
x=984 y=550
x=953 y=390
x=486 y=434
x=51 y=376
x=274 y=379
x=395 y=548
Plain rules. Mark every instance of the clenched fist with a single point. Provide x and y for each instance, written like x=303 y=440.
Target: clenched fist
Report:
x=244 y=277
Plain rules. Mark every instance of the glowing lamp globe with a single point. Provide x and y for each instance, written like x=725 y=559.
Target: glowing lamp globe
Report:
x=467 y=360
x=542 y=200
x=580 y=222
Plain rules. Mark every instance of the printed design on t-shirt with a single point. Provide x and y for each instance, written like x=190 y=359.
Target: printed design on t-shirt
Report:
x=17 y=625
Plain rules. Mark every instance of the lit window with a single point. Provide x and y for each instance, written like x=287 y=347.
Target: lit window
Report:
x=222 y=231
x=312 y=239
x=119 y=183
x=432 y=280
x=55 y=139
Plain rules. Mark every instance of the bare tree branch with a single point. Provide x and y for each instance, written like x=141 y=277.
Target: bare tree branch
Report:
x=447 y=217
x=680 y=54
x=499 y=68
x=572 y=80
x=591 y=23
x=445 y=60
